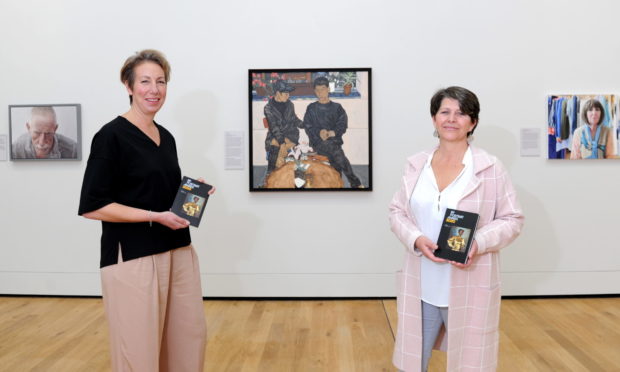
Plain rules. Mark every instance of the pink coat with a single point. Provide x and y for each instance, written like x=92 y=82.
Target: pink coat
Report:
x=473 y=316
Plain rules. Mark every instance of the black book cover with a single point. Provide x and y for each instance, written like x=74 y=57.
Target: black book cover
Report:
x=456 y=235
x=191 y=200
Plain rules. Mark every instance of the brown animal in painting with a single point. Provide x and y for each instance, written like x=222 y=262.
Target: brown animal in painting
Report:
x=318 y=175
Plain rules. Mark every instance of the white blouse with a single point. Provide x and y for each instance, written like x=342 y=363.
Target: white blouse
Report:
x=428 y=207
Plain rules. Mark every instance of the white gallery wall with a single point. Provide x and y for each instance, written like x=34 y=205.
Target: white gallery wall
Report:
x=511 y=53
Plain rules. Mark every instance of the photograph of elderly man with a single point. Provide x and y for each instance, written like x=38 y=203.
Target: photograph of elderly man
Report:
x=41 y=140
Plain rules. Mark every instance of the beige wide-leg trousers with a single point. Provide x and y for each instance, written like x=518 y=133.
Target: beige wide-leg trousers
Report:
x=155 y=313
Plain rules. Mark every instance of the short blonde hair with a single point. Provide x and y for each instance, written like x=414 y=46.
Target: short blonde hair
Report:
x=146 y=55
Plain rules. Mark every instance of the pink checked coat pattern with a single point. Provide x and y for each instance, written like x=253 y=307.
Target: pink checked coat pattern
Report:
x=473 y=315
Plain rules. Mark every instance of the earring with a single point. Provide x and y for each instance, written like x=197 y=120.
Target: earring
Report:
x=470 y=138
x=435 y=134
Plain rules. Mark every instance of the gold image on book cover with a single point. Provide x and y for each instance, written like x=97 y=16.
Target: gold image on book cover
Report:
x=193 y=205
x=458 y=238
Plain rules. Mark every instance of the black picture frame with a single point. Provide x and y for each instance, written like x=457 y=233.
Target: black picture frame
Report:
x=66 y=138
x=326 y=132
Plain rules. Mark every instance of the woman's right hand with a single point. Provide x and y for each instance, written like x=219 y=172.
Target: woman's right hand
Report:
x=427 y=247
x=170 y=220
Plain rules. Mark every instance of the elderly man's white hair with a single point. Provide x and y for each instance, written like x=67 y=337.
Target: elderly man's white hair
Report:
x=43 y=111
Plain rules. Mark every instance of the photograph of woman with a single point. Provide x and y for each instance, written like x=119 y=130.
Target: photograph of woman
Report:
x=592 y=140
x=439 y=302
x=149 y=270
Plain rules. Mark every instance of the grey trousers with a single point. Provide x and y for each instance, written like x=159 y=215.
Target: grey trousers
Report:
x=432 y=319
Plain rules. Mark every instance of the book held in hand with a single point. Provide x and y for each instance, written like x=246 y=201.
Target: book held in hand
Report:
x=191 y=200
x=456 y=235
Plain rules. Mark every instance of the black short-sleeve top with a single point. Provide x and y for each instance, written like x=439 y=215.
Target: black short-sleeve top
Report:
x=125 y=166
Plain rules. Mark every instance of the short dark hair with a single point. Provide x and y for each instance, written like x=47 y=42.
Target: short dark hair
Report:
x=592 y=104
x=321 y=80
x=468 y=102
x=147 y=55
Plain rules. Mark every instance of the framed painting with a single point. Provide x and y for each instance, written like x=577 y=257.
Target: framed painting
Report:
x=45 y=132
x=310 y=129
x=582 y=126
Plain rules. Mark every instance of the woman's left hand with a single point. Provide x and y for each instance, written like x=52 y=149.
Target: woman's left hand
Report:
x=212 y=191
x=470 y=257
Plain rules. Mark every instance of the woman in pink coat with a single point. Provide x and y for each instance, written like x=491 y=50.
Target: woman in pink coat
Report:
x=437 y=298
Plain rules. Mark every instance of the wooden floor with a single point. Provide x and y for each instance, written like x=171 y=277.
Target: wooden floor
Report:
x=70 y=334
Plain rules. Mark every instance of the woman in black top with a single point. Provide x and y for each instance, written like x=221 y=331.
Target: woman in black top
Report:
x=150 y=275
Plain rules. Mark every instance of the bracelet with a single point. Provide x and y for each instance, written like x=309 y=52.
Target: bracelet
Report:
x=150 y=219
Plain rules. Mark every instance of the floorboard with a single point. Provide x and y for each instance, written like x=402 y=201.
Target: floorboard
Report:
x=70 y=334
